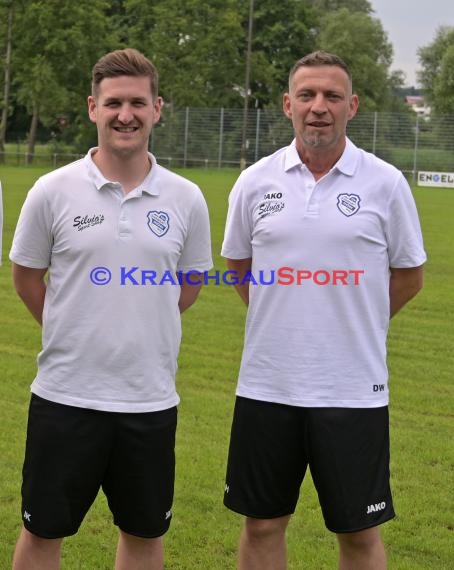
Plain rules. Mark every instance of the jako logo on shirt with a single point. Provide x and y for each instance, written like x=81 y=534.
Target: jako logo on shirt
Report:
x=158 y=222
x=376 y=508
x=348 y=204
x=84 y=222
x=273 y=196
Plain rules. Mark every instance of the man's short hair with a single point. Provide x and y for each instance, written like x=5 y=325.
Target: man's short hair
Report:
x=127 y=61
x=317 y=59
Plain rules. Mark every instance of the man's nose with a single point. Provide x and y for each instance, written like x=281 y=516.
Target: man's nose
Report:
x=319 y=104
x=125 y=114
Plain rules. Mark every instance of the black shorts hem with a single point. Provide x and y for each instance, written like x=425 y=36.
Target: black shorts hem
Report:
x=365 y=527
x=52 y=535
x=245 y=513
x=144 y=534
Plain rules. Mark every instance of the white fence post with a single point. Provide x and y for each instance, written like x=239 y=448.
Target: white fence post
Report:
x=186 y=137
x=415 y=150
x=374 y=141
x=221 y=137
x=257 y=136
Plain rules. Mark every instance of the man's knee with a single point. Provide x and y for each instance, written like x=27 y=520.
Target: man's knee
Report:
x=265 y=529
x=363 y=540
x=33 y=551
x=138 y=543
x=34 y=541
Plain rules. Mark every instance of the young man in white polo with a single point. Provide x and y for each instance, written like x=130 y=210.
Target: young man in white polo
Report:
x=340 y=230
x=103 y=407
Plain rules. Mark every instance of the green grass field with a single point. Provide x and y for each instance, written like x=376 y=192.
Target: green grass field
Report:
x=203 y=534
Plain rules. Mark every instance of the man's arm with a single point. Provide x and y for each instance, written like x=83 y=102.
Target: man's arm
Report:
x=241 y=266
x=31 y=288
x=188 y=292
x=404 y=284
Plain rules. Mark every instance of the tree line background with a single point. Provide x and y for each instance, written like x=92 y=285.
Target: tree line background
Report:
x=48 y=48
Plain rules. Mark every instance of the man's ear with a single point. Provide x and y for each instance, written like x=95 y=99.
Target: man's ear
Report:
x=157 y=105
x=91 y=102
x=286 y=106
x=354 y=104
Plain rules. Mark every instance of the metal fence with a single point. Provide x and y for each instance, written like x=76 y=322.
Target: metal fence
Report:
x=211 y=138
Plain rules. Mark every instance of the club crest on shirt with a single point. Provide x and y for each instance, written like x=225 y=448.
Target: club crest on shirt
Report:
x=158 y=222
x=348 y=204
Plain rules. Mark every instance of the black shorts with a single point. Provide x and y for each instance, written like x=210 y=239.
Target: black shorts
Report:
x=72 y=452
x=346 y=449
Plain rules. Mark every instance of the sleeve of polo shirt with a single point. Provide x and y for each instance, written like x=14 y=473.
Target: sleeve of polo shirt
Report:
x=237 y=242
x=32 y=242
x=403 y=229
x=196 y=255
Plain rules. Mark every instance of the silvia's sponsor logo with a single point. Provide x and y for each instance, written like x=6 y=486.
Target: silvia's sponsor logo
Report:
x=87 y=221
x=267 y=208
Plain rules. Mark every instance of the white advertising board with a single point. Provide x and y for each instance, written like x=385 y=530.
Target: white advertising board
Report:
x=438 y=179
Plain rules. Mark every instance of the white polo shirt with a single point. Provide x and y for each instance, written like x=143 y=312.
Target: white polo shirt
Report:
x=111 y=333
x=321 y=342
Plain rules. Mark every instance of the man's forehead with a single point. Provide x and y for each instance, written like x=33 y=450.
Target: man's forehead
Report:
x=320 y=75
x=125 y=86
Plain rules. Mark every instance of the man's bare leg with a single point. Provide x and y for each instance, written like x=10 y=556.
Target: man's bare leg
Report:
x=36 y=553
x=263 y=545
